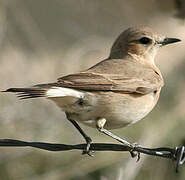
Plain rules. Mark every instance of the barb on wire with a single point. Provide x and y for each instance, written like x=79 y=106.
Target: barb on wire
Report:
x=176 y=154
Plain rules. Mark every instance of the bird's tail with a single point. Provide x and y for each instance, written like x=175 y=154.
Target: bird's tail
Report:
x=45 y=90
x=27 y=93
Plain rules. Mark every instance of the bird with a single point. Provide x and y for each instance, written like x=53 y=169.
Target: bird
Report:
x=116 y=92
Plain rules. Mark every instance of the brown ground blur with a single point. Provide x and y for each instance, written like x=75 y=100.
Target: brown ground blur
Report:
x=42 y=40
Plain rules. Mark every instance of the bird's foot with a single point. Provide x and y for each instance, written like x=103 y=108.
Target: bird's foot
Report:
x=87 y=150
x=133 y=151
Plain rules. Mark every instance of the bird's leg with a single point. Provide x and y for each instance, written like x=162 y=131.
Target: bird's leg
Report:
x=87 y=138
x=100 y=126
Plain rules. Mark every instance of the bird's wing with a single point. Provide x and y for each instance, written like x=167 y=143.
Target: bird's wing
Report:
x=112 y=82
x=124 y=75
x=118 y=75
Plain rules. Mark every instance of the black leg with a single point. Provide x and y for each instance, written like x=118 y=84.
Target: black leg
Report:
x=99 y=125
x=121 y=140
x=87 y=138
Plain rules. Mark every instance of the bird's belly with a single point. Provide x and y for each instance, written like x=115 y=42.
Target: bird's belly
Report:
x=119 y=110
x=119 y=113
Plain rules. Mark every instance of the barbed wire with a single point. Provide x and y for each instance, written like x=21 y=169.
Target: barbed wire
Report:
x=176 y=154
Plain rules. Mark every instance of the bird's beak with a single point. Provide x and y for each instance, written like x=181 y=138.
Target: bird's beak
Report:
x=169 y=41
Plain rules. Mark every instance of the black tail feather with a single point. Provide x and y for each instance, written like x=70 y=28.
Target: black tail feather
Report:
x=27 y=93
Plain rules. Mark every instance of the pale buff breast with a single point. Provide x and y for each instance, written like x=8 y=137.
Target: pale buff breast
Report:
x=118 y=109
x=127 y=109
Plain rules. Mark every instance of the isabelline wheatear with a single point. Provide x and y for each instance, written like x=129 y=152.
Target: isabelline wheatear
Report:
x=114 y=93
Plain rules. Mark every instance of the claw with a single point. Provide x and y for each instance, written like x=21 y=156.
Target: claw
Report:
x=89 y=153
x=87 y=150
x=135 y=153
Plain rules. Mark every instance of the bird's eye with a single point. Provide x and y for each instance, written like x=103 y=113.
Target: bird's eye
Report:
x=144 y=40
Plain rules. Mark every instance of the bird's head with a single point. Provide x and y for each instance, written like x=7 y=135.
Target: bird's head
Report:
x=142 y=42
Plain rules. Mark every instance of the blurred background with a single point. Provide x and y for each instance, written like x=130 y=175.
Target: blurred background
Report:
x=43 y=40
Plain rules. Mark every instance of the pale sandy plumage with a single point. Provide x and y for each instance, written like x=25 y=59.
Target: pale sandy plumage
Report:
x=121 y=89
